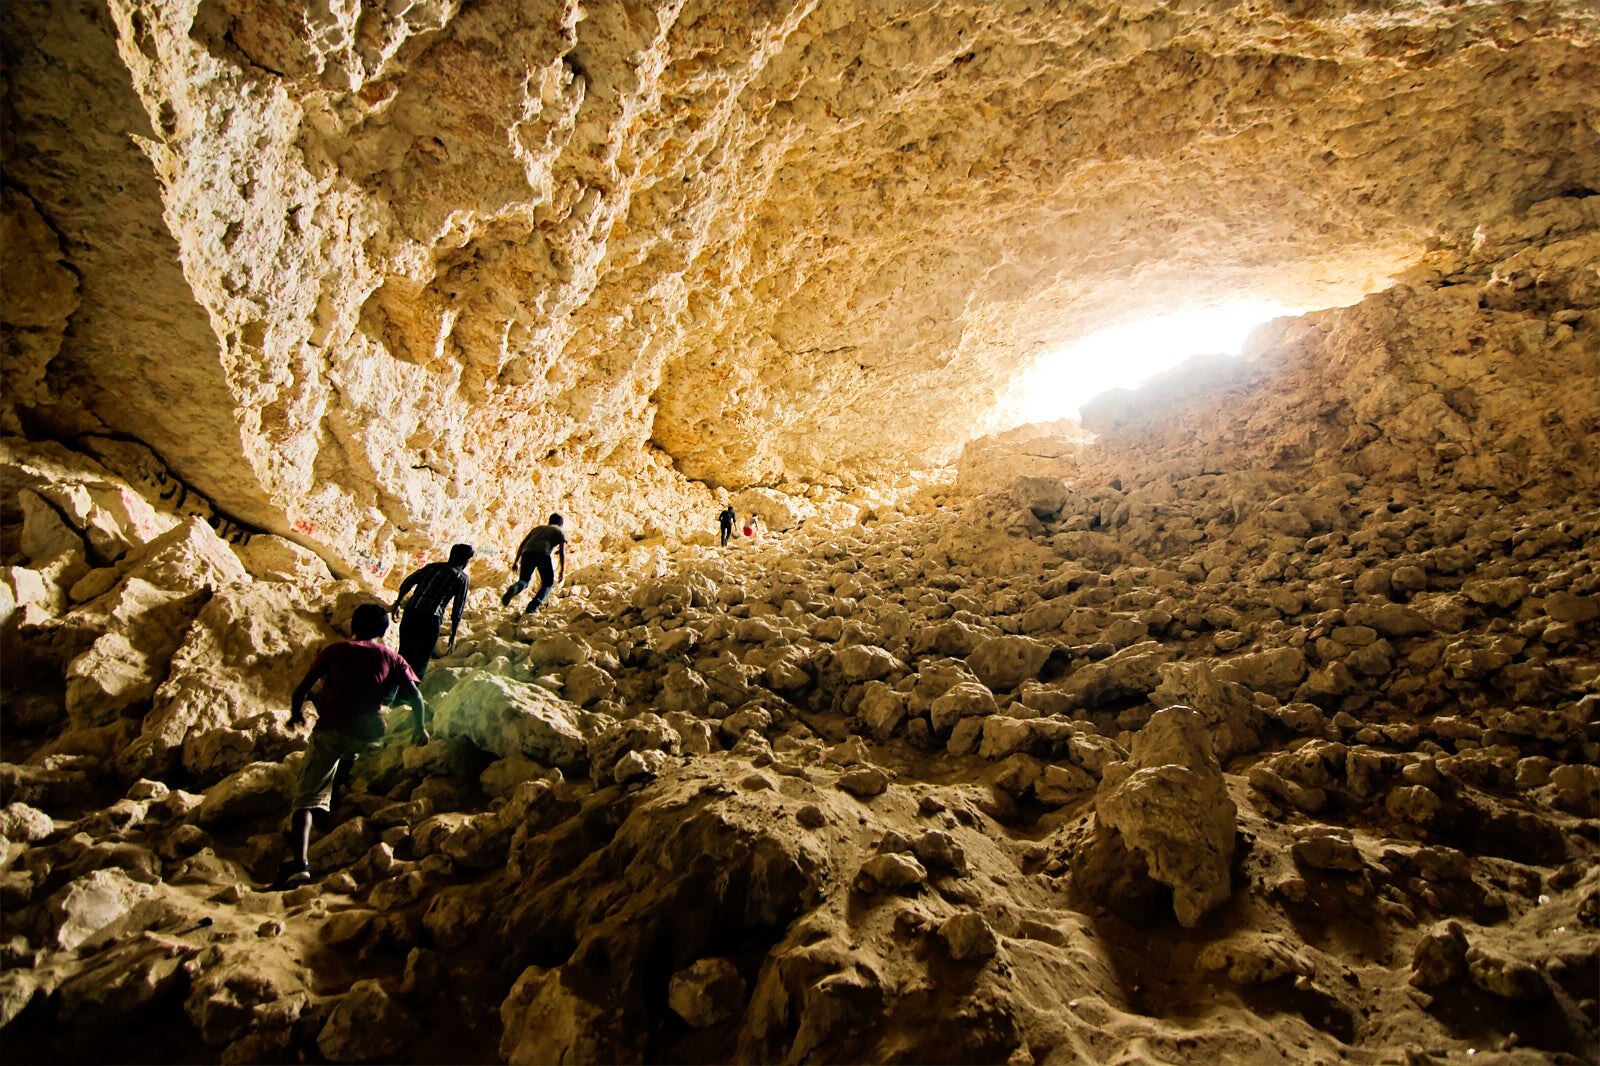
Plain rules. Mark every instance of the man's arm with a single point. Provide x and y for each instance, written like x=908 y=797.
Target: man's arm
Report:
x=303 y=692
x=562 y=550
x=460 y=602
x=407 y=693
x=405 y=587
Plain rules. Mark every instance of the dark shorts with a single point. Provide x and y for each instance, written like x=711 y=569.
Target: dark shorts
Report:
x=328 y=749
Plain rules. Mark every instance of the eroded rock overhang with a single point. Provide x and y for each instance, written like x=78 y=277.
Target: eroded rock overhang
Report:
x=378 y=281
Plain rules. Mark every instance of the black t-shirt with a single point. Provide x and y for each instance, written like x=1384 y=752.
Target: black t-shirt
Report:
x=543 y=540
x=727 y=516
x=438 y=585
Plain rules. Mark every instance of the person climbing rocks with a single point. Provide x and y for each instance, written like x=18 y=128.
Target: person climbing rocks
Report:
x=348 y=684
x=534 y=554
x=726 y=520
x=432 y=588
x=750 y=526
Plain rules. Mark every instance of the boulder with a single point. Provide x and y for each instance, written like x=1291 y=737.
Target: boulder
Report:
x=366 y=1025
x=557 y=649
x=1277 y=672
x=1505 y=977
x=1169 y=806
x=473 y=841
x=864 y=662
x=544 y=1019
x=684 y=690
x=892 y=871
x=257 y=789
x=968 y=936
x=966 y=699
x=238 y=995
x=1572 y=609
x=882 y=709
x=1130 y=673
x=707 y=993
x=232 y=674
x=24 y=824
x=508 y=717
x=1003 y=663
x=94 y=907
x=1323 y=847
x=647 y=733
x=1440 y=956
x=1389 y=619
x=1045 y=497
x=864 y=781
x=587 y=684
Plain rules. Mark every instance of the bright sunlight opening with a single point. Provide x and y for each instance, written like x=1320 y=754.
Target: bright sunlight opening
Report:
x=1126 y=356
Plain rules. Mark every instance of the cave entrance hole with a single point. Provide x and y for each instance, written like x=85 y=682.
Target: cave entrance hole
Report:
x=1131 y=353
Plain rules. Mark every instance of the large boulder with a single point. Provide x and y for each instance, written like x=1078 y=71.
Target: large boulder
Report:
x=508 y=717
x=94 y=907
x=1168 y=808
x=1131 y=673
x=1277 y=672
x=225 y=700
x=1003 y=663
x=1045 y=497
x=257 y=789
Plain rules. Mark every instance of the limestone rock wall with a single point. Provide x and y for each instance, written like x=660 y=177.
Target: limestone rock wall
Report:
x=379 y=279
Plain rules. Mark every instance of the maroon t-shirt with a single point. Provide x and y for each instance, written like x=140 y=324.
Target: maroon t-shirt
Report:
x=357 y=675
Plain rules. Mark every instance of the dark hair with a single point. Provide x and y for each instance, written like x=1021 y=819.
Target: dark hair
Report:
x=459 y=554
x=555 y=520
x=369 y=622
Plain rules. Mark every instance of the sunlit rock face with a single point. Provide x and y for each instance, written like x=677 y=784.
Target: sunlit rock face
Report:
x=377 y=280
x=1250 y=718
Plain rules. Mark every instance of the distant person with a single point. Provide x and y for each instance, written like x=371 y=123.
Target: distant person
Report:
x=750 y=525
x=432 y=589
x=534 y=554
x=726 y=520
x=352 y=680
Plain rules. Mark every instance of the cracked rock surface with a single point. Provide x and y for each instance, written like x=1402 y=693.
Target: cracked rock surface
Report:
x=402 y=270
x=1190 y=743
x=1255 y=717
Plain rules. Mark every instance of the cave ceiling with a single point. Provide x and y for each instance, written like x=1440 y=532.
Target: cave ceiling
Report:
x=385 y=276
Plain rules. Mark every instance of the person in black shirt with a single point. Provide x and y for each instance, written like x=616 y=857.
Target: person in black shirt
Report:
x=534 y=554
x=432 y=589
x=726 y=520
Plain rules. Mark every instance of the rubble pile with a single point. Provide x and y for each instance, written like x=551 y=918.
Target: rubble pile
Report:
x=1268 y=748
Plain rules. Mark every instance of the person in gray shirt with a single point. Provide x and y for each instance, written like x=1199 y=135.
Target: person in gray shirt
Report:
x=534 y=553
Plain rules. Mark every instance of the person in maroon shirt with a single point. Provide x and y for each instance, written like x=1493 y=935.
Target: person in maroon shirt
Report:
x=349 y=683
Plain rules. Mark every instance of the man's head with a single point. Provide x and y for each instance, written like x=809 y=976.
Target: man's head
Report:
x=460 y=554
x=369 y=622
x=555 y=520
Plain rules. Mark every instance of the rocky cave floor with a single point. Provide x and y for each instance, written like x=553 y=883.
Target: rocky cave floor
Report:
x=1188 y=766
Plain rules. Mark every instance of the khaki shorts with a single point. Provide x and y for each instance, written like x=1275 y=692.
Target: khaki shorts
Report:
x=328 y=749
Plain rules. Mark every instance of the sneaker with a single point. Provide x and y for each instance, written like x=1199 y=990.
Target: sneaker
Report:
x=300 y=875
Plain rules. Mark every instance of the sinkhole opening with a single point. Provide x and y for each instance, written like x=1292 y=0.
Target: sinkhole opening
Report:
x=1132 y=353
